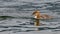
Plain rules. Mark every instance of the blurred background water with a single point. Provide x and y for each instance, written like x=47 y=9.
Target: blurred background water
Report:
x=16 y=16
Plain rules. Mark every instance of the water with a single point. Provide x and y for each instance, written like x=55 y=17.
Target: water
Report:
x=16 y=16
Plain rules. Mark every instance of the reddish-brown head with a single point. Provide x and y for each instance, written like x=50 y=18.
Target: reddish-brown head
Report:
x=36 y=11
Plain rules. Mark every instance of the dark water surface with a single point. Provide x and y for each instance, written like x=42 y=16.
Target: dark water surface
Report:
x=16 y=15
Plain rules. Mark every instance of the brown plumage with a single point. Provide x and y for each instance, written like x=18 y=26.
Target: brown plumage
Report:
x=38 y=16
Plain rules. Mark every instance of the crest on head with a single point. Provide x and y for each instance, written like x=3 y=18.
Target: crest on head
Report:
x=36 y=11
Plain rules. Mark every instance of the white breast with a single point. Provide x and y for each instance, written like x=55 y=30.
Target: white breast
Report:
x=35 y=16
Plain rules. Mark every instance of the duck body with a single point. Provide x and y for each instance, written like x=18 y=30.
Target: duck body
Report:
x=38 y=16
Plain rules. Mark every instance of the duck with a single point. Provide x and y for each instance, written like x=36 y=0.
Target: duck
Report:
x=37 y=15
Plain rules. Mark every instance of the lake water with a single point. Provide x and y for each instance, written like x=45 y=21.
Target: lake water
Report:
x=16 y=16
